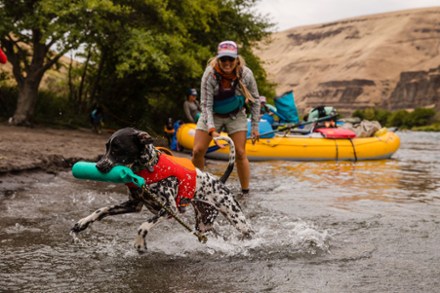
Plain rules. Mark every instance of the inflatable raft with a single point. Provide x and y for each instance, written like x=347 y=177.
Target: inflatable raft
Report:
x=310 y=147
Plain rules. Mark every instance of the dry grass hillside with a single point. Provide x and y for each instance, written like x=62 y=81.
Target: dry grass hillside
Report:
x=389 y=60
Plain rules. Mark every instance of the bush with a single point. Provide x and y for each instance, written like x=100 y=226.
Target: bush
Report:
x=58 y=110
x=372 y=114
x=432 y=127
x=421 y=117
x=8 y=101
x=400 y=118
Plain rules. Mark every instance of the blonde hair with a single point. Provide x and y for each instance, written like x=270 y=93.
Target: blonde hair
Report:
x=241 y=63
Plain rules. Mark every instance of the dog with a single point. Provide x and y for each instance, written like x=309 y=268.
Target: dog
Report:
x=207 y=194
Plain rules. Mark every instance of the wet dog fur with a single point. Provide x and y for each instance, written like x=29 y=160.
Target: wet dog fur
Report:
x=134 y=148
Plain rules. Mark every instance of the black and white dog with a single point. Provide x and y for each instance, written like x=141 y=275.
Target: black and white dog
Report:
x=174 y=187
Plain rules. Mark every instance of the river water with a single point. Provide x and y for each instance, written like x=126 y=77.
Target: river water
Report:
x=320 y=227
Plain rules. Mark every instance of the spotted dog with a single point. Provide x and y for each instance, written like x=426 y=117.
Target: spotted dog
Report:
x=175 y=181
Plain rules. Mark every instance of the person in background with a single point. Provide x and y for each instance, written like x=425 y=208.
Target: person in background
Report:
x=265 y=112
x=96 y=118
x=228 y=85
x=191 y=106
x=3 y=58
x=169 y=130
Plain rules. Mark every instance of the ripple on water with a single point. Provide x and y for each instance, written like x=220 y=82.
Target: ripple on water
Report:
x=320 y=227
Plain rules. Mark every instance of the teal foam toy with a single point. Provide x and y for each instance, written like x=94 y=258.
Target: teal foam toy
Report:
x=118 y=174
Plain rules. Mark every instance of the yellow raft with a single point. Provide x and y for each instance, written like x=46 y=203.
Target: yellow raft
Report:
x=312 y=147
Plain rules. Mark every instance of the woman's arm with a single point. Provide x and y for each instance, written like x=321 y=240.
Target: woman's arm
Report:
x=250 y=83
x=207 y=89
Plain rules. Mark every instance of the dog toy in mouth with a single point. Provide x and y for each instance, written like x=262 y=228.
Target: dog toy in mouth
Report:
x=118 y=174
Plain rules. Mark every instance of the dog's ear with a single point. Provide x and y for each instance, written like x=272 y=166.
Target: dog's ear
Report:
x=144 y=138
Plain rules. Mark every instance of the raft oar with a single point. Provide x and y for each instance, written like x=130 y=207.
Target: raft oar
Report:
x=284 y=128
x=122 y=174
x=288 y=127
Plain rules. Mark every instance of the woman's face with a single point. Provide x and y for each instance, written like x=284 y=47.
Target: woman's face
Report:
x=227 y=64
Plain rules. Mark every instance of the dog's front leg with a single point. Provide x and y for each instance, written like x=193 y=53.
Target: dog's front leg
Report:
x=129 y=206
x=139 y=241
x=165 y=191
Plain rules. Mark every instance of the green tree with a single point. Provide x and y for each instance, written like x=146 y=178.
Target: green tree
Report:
x=35 y=34
x=162 y=49
x=139 y=55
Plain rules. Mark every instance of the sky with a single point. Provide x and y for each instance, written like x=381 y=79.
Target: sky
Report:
x=293 y=13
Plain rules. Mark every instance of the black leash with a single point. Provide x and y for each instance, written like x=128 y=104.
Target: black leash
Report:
x=202 y=237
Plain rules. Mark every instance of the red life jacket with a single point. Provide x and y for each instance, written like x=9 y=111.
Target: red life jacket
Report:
x=168 y=166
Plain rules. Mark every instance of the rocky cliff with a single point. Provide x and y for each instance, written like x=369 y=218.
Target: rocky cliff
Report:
x=389 y=60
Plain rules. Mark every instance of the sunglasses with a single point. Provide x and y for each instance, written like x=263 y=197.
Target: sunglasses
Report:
x=227 y=58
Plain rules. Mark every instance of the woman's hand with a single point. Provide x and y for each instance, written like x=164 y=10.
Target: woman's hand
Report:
x=217 y=143
x=255 y=135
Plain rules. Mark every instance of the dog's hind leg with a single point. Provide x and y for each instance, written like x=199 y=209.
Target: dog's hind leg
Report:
x=139 y=241
x=129 y=206
x=229 y=207
x=205 y=214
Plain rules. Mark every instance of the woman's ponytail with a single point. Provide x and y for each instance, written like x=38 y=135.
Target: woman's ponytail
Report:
x=239 y=70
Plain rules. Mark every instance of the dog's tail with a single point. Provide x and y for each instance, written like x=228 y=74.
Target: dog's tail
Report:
x=231 y=157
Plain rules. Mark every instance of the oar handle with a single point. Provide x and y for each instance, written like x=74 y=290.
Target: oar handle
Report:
x=288 y=127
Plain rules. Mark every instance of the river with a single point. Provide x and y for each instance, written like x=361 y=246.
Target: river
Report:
x=370 y=226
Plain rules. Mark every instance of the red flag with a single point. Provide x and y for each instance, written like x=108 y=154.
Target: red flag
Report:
x=3 y=58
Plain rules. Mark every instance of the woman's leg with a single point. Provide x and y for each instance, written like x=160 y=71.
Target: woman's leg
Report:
x=201 y=143
x=239 y=139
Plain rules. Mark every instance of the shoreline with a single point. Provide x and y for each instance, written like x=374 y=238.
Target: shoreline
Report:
x=30 y=155
x=46 y=149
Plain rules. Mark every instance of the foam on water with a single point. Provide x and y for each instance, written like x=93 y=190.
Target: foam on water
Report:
x=319 y=227
x=271 y=236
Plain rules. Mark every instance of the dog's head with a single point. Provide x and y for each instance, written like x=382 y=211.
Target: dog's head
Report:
x=127 y=146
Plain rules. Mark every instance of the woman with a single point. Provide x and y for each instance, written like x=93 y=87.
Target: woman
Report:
x=191 y=107
x=227 y=86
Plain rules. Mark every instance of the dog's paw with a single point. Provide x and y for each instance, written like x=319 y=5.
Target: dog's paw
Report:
x=174 y=209
x=247 y=235
x=139 y=244
x=80 y=226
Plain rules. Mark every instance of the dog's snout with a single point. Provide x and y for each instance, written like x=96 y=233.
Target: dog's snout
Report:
x=104 y=165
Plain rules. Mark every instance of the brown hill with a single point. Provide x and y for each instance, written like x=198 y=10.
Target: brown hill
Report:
x=389 y=60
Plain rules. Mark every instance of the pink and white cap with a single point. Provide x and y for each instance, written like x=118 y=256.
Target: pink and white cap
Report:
x=227 y=48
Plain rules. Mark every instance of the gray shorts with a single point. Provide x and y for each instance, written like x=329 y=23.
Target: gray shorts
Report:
x=231 y=124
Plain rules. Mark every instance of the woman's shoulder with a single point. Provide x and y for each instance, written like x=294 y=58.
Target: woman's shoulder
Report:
x=247 y=72
x=208 y=70
x=209 y=73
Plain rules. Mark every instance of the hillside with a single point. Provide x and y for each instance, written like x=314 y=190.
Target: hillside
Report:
x=389 y=60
